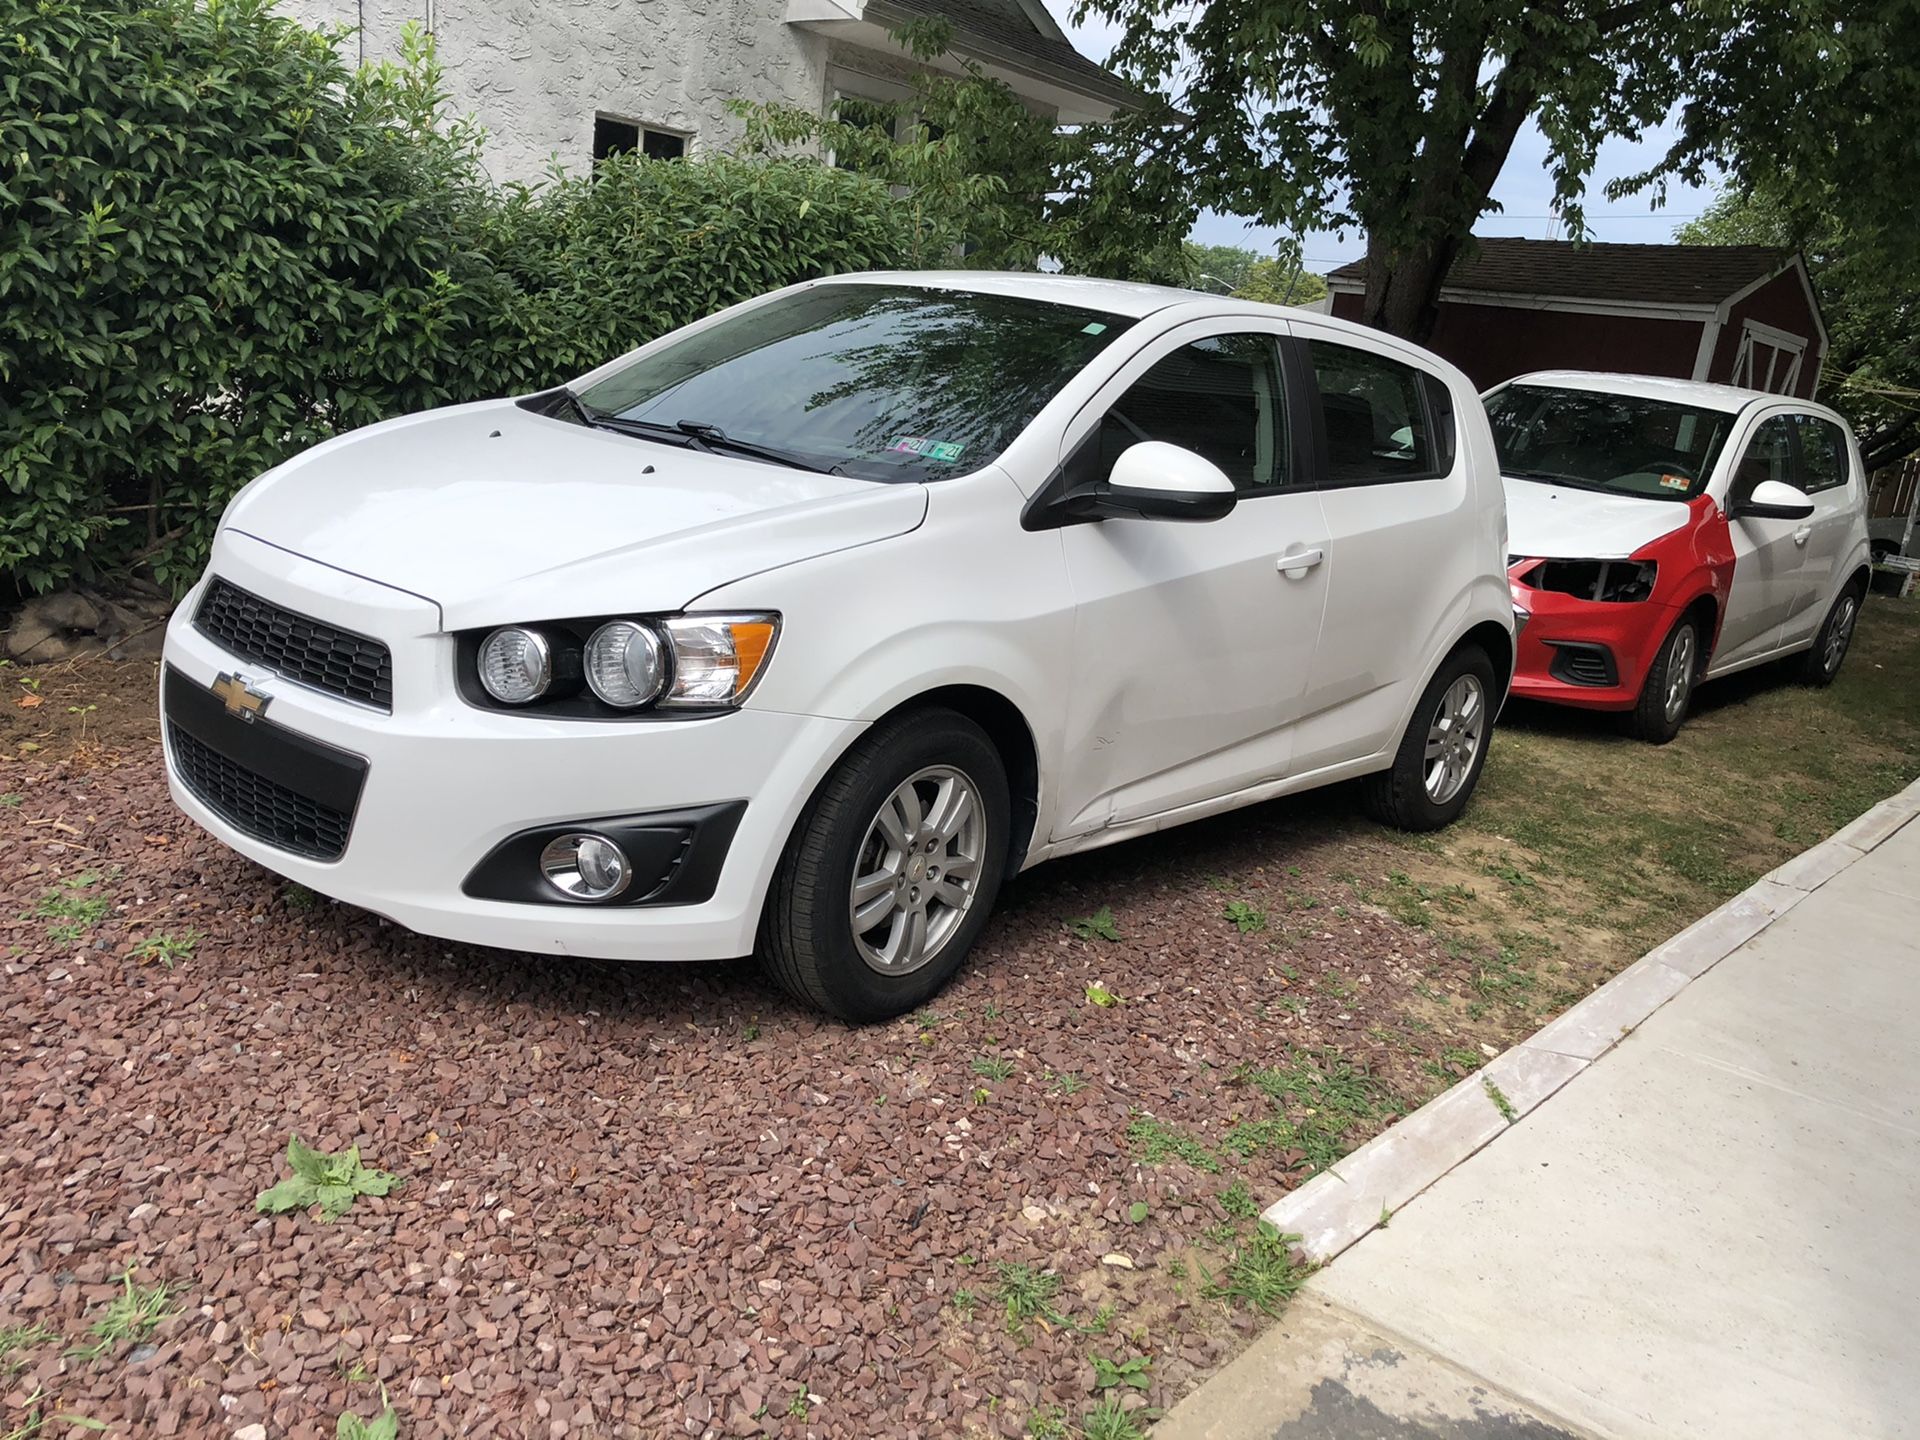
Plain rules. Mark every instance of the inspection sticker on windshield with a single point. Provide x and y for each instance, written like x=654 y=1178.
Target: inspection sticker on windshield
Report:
x=1675 y=482
x=931 y=449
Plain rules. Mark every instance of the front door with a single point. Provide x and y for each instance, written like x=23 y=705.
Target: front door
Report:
x=1192 y=642
x=1767 y=554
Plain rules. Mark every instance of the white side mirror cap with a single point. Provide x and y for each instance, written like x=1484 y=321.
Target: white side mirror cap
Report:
x=1169 y=469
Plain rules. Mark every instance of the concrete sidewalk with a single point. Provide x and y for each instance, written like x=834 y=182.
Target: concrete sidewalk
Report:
x=1711 y=1228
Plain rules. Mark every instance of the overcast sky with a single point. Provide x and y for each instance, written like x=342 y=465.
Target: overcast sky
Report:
x=1524 y=191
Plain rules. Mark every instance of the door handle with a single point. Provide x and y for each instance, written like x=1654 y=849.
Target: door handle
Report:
x=1299 y=561
x=1800 y=535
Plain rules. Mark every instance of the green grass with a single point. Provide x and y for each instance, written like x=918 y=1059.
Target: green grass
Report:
x=1246 y=918
x=1500 y=1101
x=1261 y=1274
x=1109 y=1420
x=1098 y=926
x=1155 y=1144
x=1025 y=1292
x=76 y=914
x=1317 y=1103
x=169 y=950
x=17 y=1340
x=131 y=1316
x=993 y=1067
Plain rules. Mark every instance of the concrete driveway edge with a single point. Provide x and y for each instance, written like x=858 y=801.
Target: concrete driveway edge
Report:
x=1359 y=1193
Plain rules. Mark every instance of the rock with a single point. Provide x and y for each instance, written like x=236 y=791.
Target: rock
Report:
x=251 y=1432
x=1117 y=1260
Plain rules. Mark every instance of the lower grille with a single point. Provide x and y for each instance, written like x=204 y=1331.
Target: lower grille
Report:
x=268 y=812
x=283 y=788
x=1582 y=664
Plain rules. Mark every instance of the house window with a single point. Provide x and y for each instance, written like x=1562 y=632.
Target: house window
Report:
x=1768 y=359
x=614 y=136
x=877 y=117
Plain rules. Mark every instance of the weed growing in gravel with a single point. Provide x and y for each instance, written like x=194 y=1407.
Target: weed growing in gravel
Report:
x=1097 y=926
x=1237 y=1200
x=1025 y=1293
x=169 y=950
x=1066 y=1082
x=384 y=1426
x=37 y=1419
x=751 y=1030
x=1049 y=1422
x=132 y=1315
x=1109 y=1420
x=1500 y=1102
x=1246 y=918
x=1156 y=1144
x=1138 y=1211
x=1109 y=1374
x=797 y=1406
x=1262 y=1272
x=77 y=915
x=16 y=1340
x=1319 y=1105
x=333 y=1182
x=993 y=1067
x=927 y=1019
x=11 y=801
x=1098 y=994
x=299 y=897
x=965 y=1301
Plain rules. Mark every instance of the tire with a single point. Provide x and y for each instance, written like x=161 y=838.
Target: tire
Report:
x=1402 y=796
x=1822 y=662
x=1667 y=694
x=808 y=938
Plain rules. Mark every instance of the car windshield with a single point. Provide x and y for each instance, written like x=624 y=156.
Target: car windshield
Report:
x=880 y=382
x=1588 y=438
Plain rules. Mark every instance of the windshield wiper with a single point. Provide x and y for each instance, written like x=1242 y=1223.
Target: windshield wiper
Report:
x=1554 y=477
x=714 y=438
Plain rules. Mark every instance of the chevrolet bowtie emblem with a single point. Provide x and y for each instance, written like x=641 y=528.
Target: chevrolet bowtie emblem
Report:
x=244 y=702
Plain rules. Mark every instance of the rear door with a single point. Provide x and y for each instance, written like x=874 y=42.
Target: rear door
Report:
x=1192 y=641
x=1767 y=554
x=1827 y=475
x=1401 y=514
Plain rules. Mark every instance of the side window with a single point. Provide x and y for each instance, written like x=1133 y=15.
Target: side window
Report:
x=1220 y=397
x=1370 y=406
x=1769 y=456
x=1823 y=454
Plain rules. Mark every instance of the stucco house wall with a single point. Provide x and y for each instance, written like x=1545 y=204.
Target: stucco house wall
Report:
x=535 y=72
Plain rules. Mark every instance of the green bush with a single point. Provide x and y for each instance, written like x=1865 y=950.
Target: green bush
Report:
x=219 y=246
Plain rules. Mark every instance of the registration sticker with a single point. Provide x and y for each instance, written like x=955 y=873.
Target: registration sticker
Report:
x=1675 y=482
x=1096 y=328
x=931 y=449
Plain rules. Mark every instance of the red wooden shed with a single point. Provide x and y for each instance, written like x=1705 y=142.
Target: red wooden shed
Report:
x=1736 y=314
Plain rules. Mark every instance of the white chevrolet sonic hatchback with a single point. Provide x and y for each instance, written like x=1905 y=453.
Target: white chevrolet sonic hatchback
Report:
x=803 y=627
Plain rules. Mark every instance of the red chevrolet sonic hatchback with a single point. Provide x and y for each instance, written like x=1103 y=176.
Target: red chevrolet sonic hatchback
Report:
x=1665 y=532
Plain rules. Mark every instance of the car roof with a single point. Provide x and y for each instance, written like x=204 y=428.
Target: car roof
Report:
x=1653 y=387
x=1137 y=300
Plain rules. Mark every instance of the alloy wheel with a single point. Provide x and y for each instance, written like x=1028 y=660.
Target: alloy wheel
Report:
x=1679 y=674
x=918 y=870
x=1840 y=632
x=1454 y=738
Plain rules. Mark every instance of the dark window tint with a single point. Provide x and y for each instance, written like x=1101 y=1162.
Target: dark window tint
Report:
x=613 y=137
x=882 y=382
x=1219 y=397
x=1598 y=440
x=663 y=145
x=1371 y=408
x=1769 y=456
x=1823 y=454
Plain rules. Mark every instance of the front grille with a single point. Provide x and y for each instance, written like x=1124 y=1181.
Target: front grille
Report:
x=266 y=810
x=1582 y=664
x=301 y=649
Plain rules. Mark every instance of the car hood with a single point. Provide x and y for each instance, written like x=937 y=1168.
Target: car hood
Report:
x=496 y=514
x=1554 y=522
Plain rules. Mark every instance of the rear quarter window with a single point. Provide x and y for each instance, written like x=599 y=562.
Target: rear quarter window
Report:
x=1374 y=412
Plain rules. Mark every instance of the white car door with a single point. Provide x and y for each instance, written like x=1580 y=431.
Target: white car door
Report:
x=1767 y=554
x=1401 y=515
x=1192 y=641
x=1828 y=473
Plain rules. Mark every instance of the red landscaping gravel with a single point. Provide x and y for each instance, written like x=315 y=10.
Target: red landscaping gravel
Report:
x=638 y=1201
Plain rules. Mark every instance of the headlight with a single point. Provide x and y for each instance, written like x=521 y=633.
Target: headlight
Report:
x=716 y=658
x=626 y=664
x=1614 y=582
x=516 y=665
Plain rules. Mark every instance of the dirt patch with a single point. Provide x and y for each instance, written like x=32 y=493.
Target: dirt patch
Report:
x=87 y=708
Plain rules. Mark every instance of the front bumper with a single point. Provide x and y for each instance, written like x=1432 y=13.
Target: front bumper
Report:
x=446 y=784
x=1626 y=635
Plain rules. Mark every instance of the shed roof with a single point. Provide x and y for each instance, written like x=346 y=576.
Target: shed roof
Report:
x=1648 y=274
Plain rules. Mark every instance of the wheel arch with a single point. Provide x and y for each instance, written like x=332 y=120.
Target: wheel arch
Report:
x=1497 y=641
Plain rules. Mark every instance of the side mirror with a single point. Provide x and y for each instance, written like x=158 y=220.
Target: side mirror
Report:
x=1774 y=500
x=1157 y=481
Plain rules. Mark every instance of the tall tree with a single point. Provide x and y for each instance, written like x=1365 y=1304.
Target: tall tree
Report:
x=1396 y=117
x=1867 y=278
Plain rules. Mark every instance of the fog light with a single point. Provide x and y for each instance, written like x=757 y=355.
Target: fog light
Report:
x=585 y=867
